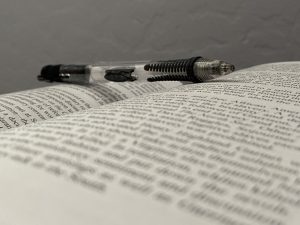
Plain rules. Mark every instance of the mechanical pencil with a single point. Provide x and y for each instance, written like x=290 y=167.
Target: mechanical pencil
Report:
x=195 y=69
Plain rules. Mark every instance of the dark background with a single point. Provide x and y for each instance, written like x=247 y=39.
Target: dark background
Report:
x=38 y=32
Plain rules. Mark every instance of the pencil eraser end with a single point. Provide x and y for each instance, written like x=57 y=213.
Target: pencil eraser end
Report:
x=49 y=73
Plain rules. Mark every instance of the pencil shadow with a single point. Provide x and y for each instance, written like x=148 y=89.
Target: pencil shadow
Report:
x=225 y=81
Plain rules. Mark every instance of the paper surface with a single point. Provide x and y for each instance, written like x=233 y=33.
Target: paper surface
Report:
x=224 y=152
x=22 y=108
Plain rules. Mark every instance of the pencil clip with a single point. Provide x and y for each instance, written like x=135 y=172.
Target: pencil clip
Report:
x=120 y=74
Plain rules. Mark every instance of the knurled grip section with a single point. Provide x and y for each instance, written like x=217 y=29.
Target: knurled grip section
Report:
x=177 y=69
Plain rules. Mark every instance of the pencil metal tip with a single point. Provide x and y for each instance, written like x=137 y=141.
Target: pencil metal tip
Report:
x=226 y=68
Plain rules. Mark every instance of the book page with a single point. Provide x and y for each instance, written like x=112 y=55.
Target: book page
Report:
x=223 y=152
x=284 y=74
x=22 y=108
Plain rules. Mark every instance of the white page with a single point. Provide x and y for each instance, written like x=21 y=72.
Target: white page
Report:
x=216 y=153
x=22 y=108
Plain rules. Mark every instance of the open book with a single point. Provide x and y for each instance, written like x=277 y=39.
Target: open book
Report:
x=222 y=152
